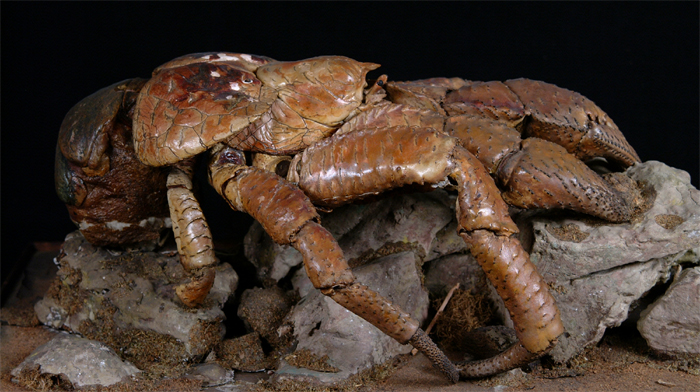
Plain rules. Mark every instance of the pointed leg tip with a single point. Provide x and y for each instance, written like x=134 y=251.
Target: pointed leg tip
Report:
x=453 y=376
x=194 y=293
x=446 y=367
x=424 y=344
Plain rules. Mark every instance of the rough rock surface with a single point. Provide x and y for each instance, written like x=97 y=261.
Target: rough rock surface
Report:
x=107 y=294
x=242 y=353
x=211 y=374
x=263 y=310
x=82 y=361
x=323 y=327
x=597 y=271
x=671 y=324
x=449 y=270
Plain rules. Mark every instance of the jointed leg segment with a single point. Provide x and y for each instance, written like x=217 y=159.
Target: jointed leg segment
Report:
x=350 y=166
x=193 y=238
x=536 y=173
x=288 y=216
x=353 y=165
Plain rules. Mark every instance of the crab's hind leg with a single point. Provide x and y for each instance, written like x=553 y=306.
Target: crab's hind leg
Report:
x=365 y=162
x=485 y=226
x=288 y=216
x=193 y=237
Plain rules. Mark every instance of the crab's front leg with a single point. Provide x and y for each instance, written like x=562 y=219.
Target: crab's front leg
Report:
x=192 y=235
x=289 y=217
x=356 y=164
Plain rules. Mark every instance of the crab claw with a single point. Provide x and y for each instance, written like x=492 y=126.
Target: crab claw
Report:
x=548 y=112
x=572 y=121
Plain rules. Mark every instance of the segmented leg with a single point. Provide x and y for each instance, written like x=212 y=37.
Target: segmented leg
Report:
x=353 y=165
x=193 y=238
x=288 y=216
x=533 y=311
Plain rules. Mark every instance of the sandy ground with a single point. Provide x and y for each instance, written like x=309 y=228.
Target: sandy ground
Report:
x=620 y=362
x=617 y=364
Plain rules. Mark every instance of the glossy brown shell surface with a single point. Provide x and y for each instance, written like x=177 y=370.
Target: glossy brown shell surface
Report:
x=183 y=111
x=120 y=200
x=84 y=134
x=571 y=120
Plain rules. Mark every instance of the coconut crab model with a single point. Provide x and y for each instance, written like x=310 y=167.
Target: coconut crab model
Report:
x=285 y=138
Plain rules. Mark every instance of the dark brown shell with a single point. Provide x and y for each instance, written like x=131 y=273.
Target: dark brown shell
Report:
x=571 y=120
x=84 y=134
x=125 y=205
x=118 y=200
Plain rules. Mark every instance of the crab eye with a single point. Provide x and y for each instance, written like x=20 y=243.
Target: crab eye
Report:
x=247 y=81
x=230 y=155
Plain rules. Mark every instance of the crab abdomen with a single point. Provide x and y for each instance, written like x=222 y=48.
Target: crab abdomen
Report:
x=112 y=197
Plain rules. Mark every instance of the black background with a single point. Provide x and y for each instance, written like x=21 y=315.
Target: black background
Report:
x=637 y=61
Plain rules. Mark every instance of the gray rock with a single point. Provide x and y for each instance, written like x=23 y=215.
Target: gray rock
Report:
x=596 y=280
x=84 y=362
x=210 y=374
x=271 y=260
x=609 y=246
x=447 y=240
x=449 y=270
x=352 y=344
x=133 y=290
x=410 y=221
x=671 y=324
x=591 y=305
